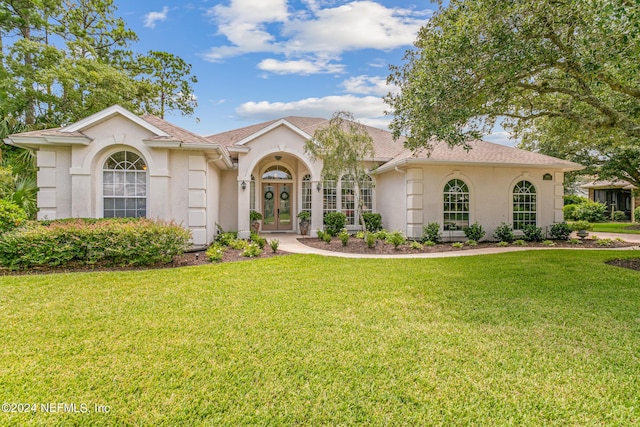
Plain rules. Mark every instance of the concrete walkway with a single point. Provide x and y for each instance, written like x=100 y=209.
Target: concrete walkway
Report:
x=289 y=243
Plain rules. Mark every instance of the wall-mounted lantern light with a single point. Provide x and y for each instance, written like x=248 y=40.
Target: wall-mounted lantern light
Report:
x=243 y=185
x=319 y=187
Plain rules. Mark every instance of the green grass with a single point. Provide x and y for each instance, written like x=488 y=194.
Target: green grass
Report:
x=614 y=227
x=530 y=338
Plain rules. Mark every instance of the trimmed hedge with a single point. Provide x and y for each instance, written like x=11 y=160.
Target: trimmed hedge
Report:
x=11 y=216
x=121 y=242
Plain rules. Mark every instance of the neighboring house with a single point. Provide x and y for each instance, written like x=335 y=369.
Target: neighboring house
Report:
x=116 y=164
x=617 y=195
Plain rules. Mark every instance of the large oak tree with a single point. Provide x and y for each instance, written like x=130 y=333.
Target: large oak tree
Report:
x=563 y=74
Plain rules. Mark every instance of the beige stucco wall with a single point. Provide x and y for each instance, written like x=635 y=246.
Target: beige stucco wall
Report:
x=490 y=195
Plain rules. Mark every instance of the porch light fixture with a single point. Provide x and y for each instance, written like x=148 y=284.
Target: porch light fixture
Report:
x=318 y=187
x=243 y=185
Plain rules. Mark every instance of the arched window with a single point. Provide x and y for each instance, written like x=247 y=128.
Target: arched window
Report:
x=456 y=205
x=124 y=186
x=524 y=205
x=276 y=172
x=306 y=193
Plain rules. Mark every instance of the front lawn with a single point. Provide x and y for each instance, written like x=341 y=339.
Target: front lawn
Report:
x=616 y=227
x=528 y=338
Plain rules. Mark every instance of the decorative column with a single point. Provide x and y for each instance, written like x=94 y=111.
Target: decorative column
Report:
x=558 y=200
x=197 y=209
x=414 y=202
x=47 y=187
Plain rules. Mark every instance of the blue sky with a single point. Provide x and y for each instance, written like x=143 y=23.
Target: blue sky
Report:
x=257 y=60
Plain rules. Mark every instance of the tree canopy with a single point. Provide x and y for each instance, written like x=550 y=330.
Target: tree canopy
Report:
x=61 y=60
x=563 y=71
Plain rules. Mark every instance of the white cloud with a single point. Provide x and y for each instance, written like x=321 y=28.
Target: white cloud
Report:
x=368 y=85
x=253 y=26
x=501 y=137
x=368 y=109
x=151 y=18
x=302 y=66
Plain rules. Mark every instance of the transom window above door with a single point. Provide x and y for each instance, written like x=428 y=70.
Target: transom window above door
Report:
x=276 y=172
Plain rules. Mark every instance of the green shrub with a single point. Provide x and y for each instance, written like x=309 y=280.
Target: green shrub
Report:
x=618 y=216
x=416 y=245
x=344 y=237
x=11 y=216
x=258 y=240
x=581 y=225
x=371 y=240
x=636 y=214
x=458 y=245
x=225 y=238
x=591 y=211
x=532 y=233
x=520 y=242
x=503 y=244
x=560 y=231
x=471 y=242
x=273 y=244
x=569 y=212
x=575 y=241
x=572 y=199
x=431 y=232
x=238 y=244
x=372 y=221
x=252 y=250
x=429 y=243
x=215 y=252
x=504 y=233
x=334 y=222
x=604 y=242
x=124 y=242
x=359 y=235
x=474 y=232
x=548 y=243
x=320 y=234
x=326 y=237
x=382 y=234
x=396 y=239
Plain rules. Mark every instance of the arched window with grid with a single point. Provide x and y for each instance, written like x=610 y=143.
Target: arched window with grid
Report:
x=524 y=205
x=329 y=194
x=456 y=205
x=124 y=186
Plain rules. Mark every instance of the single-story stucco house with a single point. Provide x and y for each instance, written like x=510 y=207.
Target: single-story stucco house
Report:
x=117 y=164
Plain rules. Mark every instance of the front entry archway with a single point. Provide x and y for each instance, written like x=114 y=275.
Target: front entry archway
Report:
x=276 y=206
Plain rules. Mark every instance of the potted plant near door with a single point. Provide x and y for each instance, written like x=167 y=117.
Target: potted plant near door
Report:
x=255 y=217
x=304 y=217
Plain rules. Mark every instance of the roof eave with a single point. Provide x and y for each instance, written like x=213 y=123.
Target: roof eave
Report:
x=31 y=142
x=405 y=162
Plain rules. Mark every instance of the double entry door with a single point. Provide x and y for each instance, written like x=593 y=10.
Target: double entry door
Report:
x=276 y=206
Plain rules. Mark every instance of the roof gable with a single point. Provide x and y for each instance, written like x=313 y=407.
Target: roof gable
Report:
x=108 y=113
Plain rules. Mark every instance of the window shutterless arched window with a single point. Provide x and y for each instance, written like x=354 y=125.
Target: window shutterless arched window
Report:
x=124 y=186
x=524 y=205
x=456 y=205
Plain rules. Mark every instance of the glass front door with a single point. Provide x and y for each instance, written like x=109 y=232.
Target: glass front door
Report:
x=276 y=206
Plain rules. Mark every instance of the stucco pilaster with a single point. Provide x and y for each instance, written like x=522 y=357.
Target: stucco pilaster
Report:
x=197 y=200
x=414 y=190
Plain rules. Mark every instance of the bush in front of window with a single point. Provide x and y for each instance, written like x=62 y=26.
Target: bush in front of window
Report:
x=396 y=238
x=334 y=222
x=504 y=233
x=118 y=242
x=532 y=233
x=373 y=221
x=474 y=232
